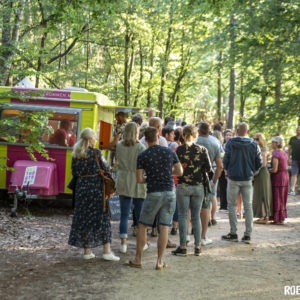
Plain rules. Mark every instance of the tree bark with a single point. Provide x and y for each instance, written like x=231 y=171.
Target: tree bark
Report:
x=126 y=61
x=164 y=65
x=138 y=94
x=242 y=98
x=232 y=76
x=149 y=93
x=10 y=37
x=219 y=84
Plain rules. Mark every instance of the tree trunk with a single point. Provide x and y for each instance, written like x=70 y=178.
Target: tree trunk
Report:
x=242 y=98
x=138 y=94
x=278 y=85
x=9 y=37
x=164 y=65
x=232 y=76
x=126 y=61
x=149 y=93
x=87 y=58
x=219 y=84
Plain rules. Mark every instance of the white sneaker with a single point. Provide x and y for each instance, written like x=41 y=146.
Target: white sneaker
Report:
x=146 y=247
x=89 y=256
x=123 y=248
x=110 y=256
x=206 y=241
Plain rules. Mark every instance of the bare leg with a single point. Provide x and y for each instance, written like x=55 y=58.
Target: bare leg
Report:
x=106 y=249
x=141 y=240
x=161 y=244
x=87 y=251
x=123 y=241
x=213 y=207
x=293 y=182
x=204 y=216
x=263 y=210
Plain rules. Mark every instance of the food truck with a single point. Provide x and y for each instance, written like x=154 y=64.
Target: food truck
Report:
x=71 y=112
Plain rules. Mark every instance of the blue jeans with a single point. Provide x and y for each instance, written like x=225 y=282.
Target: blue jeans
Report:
x=125 y=206
x=233 y=188
x=189 y=196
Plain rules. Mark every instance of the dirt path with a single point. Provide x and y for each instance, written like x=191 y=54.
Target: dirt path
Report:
x=37 y=263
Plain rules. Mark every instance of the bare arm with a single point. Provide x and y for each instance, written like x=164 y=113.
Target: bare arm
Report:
x=140 y=176
x=290 y=154
x=274 y=165
x=177 y=169
x=264 y=159
x=112 y=145
x=218 y=162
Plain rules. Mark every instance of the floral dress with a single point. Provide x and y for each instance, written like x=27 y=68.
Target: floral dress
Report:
x=90 y=227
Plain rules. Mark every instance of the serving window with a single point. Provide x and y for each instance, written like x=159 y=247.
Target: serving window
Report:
x=60 y=129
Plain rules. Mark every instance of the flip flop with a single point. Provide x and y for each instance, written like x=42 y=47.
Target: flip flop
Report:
x=164 y=266
x=133 y=265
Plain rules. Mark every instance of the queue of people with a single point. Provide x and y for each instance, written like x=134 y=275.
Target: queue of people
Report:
x=170 y=176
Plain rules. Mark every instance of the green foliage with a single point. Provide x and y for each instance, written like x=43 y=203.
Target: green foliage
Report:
x=120 y=48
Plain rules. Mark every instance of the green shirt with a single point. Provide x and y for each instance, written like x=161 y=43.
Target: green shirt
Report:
x=295 y=144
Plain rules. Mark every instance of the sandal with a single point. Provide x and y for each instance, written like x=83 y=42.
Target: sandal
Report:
x=164 y=266
x=133 y=265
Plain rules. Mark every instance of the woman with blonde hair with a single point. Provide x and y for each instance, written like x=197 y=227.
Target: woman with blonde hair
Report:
x=280 y=180
x=90 y=226
x=262 y=190
x=128 y=189
x=190 y=190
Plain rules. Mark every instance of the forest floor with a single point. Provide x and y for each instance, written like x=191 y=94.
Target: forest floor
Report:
x=37 y=263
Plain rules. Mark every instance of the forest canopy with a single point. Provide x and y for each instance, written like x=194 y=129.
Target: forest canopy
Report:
x=229 y=61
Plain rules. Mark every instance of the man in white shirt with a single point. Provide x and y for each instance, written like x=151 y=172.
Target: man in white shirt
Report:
x=156 y=123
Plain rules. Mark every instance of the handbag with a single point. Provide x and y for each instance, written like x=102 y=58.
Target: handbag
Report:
x=72 y=183
x=108 y=184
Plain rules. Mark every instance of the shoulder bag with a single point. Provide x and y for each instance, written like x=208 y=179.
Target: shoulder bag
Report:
x=108 y=184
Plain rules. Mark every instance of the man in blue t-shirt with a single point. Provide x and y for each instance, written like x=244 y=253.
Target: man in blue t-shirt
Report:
x=158 y=164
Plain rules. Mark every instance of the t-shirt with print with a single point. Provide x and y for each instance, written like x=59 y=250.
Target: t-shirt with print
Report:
x=158 y=161
x=295 y=144
x=195 y=161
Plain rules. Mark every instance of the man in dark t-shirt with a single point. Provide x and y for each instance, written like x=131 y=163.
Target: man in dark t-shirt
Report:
x=294 y=161
x=158 y=164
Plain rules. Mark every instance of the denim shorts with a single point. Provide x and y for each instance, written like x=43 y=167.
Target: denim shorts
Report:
x=295 y=167
x=158 y=203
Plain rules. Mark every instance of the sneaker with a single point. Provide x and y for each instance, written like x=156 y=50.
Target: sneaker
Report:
x=170 y=244
x=206 y=241
x=246 y=239
x=110 y=256
x=230 y=237
x=209 y=223
x=174 y=231
x=292 y=193
x=89 y=256
x=123 y=248
x=197 y=251
x=146 y=247
x=179 y=251
x=213 y=222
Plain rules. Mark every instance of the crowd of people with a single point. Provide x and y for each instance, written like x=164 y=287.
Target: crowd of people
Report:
x=171 y=174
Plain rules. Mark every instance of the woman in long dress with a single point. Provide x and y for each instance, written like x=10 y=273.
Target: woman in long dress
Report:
x=280 y=181
x=262 y=190
x=90 y=226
